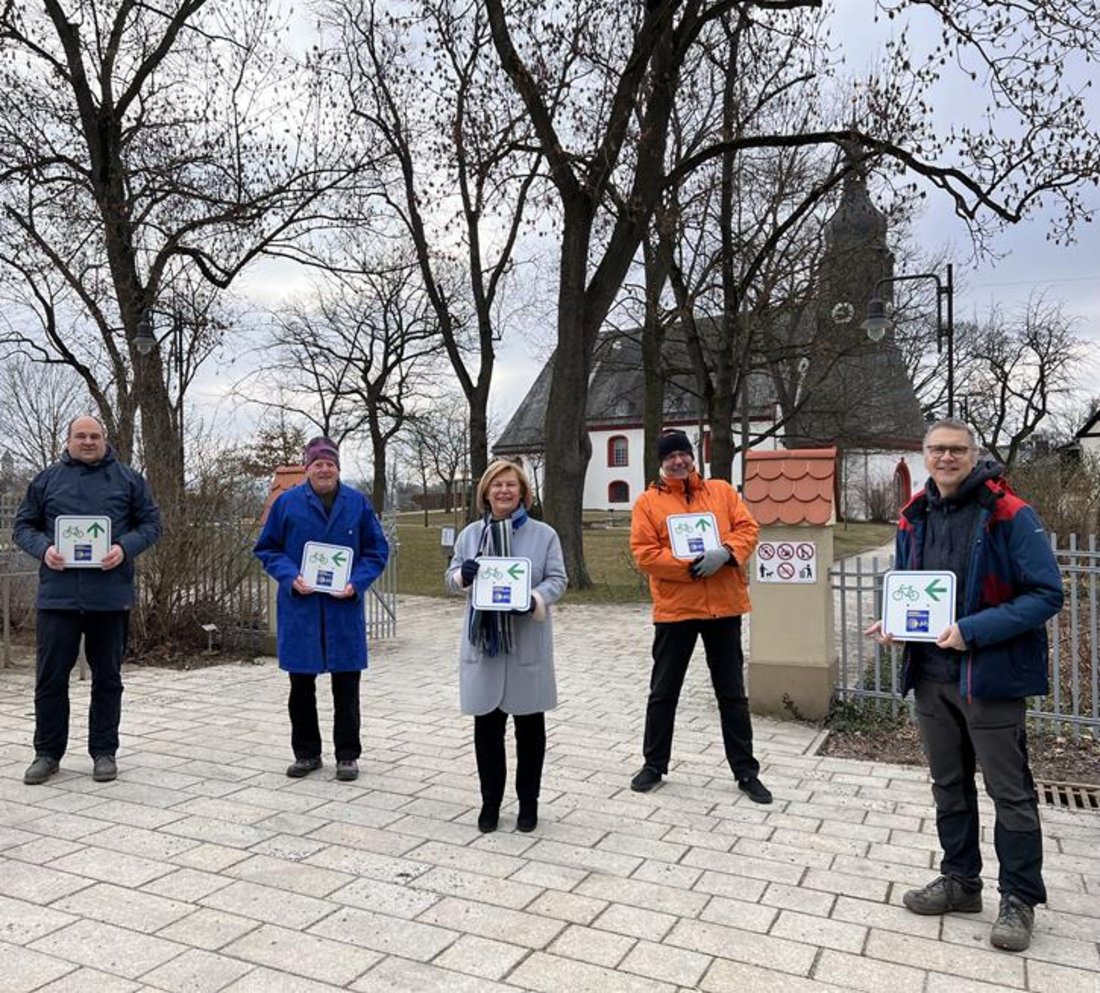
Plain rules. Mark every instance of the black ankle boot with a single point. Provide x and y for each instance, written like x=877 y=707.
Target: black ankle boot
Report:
x=487 y=819
x=528 y=818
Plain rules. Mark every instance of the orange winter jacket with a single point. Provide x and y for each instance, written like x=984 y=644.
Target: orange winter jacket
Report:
x=676 y=596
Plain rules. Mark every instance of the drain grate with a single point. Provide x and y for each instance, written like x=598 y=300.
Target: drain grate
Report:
x=1076 y=796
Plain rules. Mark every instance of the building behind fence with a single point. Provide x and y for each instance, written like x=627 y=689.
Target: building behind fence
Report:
x=870 y=672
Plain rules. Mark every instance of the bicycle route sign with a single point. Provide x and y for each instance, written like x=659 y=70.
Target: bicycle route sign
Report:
x=82 y=541
x=786 y=562
x=917 y=605
x=502 y=584
x=692 y=534
x=326 y=568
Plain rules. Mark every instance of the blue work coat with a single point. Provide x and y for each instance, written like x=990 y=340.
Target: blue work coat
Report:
x=318 y=632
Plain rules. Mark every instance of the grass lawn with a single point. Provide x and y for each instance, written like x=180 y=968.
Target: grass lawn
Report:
x=421 y=562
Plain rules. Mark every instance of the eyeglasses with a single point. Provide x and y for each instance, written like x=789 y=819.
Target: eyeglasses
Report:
x=955 y=451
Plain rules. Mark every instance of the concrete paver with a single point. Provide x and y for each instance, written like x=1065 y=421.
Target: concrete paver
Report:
x=204 y=868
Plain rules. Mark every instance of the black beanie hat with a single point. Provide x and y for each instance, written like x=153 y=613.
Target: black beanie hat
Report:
x=673 y=441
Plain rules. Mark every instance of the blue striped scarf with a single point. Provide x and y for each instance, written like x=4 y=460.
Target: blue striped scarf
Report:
x=491 y=630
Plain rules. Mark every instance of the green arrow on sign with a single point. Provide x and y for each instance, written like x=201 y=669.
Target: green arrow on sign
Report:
x=96 y=529
x=339 y=558
x=934 y=591
x=516 y=571
x=702 y=524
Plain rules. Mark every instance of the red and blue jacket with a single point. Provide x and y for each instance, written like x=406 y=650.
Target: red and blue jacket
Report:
x=1012 y=588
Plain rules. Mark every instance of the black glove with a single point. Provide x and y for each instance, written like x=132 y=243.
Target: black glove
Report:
x=530 y=609
x=709 y=562
x=469 y=571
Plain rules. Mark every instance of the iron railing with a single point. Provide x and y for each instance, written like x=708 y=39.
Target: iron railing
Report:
x=867 y=671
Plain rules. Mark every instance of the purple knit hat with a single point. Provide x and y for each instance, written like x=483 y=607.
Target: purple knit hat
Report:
x=321 y=448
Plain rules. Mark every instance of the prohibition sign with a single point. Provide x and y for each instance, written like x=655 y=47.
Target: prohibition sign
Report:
x=785 y=551
x=805 y=552
x=785 y=570
x=766 y=550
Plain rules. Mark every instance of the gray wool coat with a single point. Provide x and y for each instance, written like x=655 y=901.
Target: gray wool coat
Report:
x=522 y=681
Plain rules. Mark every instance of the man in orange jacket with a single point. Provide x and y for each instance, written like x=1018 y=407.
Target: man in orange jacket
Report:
x=696 y=591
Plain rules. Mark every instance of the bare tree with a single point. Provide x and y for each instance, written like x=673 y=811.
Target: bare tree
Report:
x=459 y=167
x=37 y=402
x=625 y=64
x=442 y=435
x=140 y=143
x=1020 y=366
x=354 y=356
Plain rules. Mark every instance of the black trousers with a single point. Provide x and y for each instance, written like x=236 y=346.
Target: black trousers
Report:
x=530 y=732
x=673 y=644
x=59 y=631
x=305 y=732
x=958 y=735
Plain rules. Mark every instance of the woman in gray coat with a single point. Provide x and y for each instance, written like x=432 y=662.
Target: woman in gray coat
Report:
x=506 y=662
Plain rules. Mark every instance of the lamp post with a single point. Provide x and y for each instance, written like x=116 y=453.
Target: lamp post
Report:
x=877 y=322
x=145 y=341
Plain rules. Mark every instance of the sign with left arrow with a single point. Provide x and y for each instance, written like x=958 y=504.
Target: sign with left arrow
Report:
x=917 y=605
x=82 y=541
x=502 y=583
x=326 y=568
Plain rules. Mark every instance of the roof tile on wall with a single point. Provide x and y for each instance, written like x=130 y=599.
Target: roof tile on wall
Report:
x=791 y=487
x=286 y=477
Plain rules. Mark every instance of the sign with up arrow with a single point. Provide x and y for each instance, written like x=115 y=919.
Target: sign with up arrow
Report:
x=82 y=541
x=692 y=534
x=502 y=584
x=918 y=605
x=326 y=568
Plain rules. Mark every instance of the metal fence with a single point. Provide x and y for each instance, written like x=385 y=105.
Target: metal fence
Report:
x=867 y=671
x=222 y=598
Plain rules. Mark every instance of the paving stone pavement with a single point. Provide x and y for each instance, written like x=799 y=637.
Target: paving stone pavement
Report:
x=203 y=868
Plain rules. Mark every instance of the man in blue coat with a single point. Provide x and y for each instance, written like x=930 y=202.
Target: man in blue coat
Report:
x=93 y=603
x=322 y=631
x=970 y=685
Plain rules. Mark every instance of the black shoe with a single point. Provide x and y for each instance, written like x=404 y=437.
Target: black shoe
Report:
x=1012 y=930
x=104 y=768
x=40 y=770
x=757 y=791
x=488 y=819
x=646 y=778
x=528 y=818
x=347 y=770
x=944 y=895
x=303 y=767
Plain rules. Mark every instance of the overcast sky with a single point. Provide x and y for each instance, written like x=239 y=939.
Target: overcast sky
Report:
x=1025 y=260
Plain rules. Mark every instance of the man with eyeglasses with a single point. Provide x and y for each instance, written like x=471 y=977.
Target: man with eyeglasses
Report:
x=703 y=596
x=971 y=684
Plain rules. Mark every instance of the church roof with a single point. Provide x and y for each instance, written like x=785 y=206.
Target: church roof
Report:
x=616 y=392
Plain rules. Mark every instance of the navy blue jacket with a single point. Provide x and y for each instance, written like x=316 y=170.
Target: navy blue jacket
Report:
x=318 y=632
x=1013 y=587
x=105 y=488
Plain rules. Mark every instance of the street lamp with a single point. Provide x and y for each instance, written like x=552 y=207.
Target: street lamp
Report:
x=145 y=341
x=878 y=322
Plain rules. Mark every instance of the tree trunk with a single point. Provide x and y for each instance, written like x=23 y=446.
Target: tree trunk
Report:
x=653 y=380
x=568 y=447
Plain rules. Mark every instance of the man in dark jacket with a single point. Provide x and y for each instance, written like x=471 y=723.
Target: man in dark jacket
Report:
x=970 y=685
x=93 y=603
